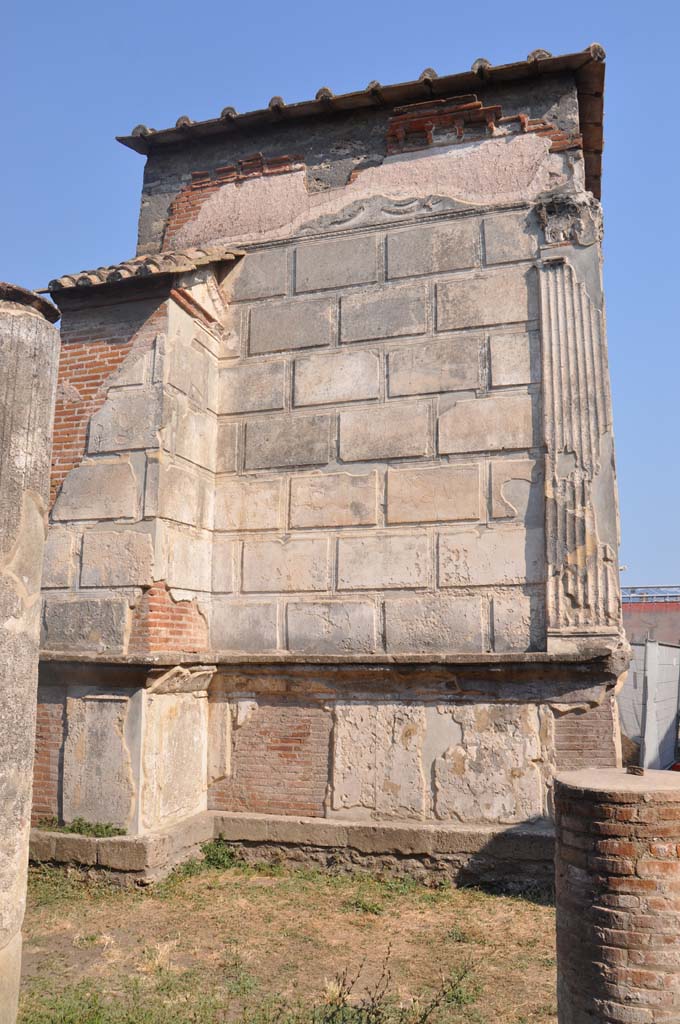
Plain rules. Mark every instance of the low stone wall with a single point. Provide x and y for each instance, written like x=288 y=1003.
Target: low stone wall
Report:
x=517 y=856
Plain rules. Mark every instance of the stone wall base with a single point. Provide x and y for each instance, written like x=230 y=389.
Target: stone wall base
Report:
x=510 y=856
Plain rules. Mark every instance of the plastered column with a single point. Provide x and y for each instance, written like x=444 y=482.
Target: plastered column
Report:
x=29 y=352
x=617 y=868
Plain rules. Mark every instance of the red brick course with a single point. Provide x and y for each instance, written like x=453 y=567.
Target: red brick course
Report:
x=587 y=739
x=280 y=762
x=618 y=901
x=159 y=623
x=415 y=125
x=49 y=745
x=186 y=204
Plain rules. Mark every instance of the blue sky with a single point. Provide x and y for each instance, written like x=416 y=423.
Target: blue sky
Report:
x=74 y=75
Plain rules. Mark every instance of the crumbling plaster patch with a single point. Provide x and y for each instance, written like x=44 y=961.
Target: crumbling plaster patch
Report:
x=469 y=763
x=494 y=773
x=502 y=170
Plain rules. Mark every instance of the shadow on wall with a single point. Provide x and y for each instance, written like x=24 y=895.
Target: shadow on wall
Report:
x=516 y=861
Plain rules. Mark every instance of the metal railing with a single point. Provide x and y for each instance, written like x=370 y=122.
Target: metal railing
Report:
x=639 y=595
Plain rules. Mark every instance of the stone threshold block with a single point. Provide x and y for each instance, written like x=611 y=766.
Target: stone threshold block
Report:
x=519 y=854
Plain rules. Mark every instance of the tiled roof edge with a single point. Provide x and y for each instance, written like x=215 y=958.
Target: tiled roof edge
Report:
x=141 y=267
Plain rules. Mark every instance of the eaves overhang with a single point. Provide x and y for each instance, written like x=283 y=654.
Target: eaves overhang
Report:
x=587 y=66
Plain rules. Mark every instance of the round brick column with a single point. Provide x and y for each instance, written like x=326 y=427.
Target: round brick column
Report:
x=617 y=875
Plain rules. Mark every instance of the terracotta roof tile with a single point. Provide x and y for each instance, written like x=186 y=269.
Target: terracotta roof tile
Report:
x=176 y=262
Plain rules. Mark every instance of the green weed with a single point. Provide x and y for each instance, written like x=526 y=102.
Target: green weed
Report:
x=98 y=829
x=362 y=905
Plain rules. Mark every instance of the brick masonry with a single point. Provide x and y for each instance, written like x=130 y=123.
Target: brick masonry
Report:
x=92 y=350
x=49 y=752
x=161 y=623
x=279 y=761
x=589 y=738
x=618 y=910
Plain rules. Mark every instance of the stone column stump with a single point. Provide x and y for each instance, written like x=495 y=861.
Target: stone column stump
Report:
x=617 y=868
x=29 y=354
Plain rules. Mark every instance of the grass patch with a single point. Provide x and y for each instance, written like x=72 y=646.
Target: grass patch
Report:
x=48 y=886
x=179 y=998
x=360 y=904
x=225 y=942
x=80 y=827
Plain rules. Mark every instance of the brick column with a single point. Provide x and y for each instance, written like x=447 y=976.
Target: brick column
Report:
x=617 y=872
x=29 y=351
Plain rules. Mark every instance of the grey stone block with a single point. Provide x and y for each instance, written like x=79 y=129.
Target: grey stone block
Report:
x=333 y=499
x=517 y=490
x=299 y=564
x=498 y=423
x=485 y=557
x=85 y=624
x=303 y=831
x=433 y=624
x=244 y=626
x=190 y=434
x=121 y=558
x=287 y=441
x=132 y=853
x=129 y=419
x=342 y=377
x=433 y=248
x=259 y=275
x=242 y=828
x=511 y=361
x=227 y=440
x=185 y=496
x=451 y=365
x=74 y=849
x=294 y=324
x=251 y=387
x=99 y=782
x=501 y=297
x=392 y=431
x=188 y=558
x=331 y=627
x=105 y=489
x=336 y=263
x=433 y=495
x=222 y=572
x=41 y=845
x=59 y=558
x=518 y=621
x=391 y=312
x=188 y=834
x=509 y=237
x=244 y=503
x=384 y=561
x=189 y=370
